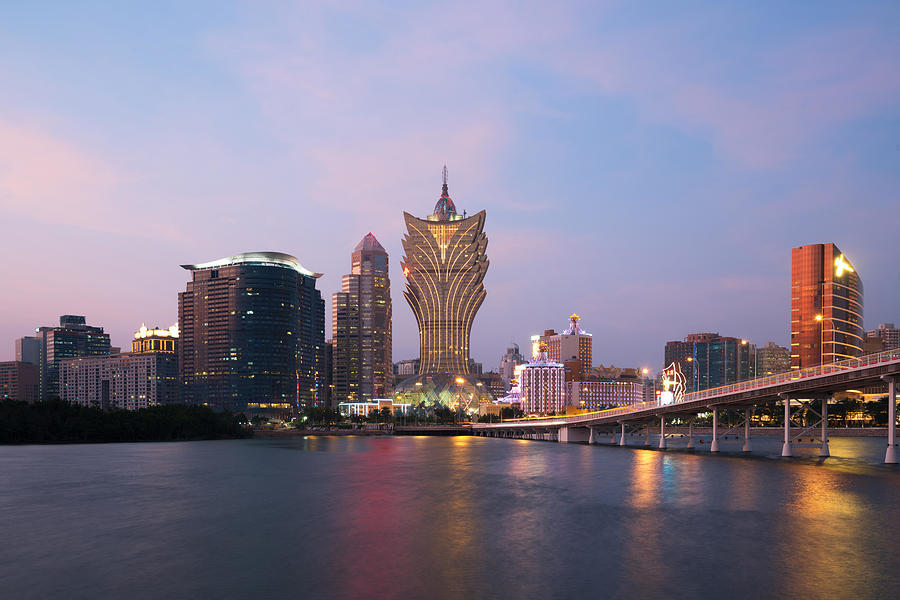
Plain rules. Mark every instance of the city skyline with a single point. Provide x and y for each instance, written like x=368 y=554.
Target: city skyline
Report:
x=593 y=170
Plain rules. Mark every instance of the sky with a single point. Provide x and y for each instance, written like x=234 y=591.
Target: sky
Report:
x=648 y=166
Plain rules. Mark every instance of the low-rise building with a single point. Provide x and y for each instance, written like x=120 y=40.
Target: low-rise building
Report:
x=364 y=409
x=20 y=381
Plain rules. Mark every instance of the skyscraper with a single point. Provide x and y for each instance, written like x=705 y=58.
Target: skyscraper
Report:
x=252 y=334
x=574 y=345
x=445 y=264
x=73 y=338
x=772 y=359
x=509 y=362
x=826 y=307
x=709 y=360
x=361 y=324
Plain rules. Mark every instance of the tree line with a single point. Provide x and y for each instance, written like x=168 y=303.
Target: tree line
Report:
x=55 y=421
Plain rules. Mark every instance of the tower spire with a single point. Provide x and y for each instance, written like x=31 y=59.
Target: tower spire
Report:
x=444 y=190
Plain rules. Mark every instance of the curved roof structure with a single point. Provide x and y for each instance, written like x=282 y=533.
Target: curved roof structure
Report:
x=277 y=259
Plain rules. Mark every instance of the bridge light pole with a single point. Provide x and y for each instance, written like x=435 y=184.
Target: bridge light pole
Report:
x=890 y=457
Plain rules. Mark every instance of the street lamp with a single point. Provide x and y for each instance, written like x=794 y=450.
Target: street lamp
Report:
x=821 y=320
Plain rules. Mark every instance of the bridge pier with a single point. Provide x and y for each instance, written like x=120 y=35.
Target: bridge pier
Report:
x=592 y=438
x=690 y=445
x=622 y=439
x=568 y=435
x=747 y=414
x=714 y=445
x=786 y=447
x=662 y=433
x=647 y=438
x=890 y=456
x=823 y=448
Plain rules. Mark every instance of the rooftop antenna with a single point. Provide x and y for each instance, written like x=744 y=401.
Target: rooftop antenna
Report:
x=445 y=175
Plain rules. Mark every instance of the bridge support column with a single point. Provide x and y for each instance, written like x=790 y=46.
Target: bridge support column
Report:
x=647 y=438
x=690 y=445
x=747 y=415
x=662 y=433
x=592 y=438
x=890 y=457
x=622 y=439
x=786 y=447
x=714 y=445
x=572 y=434
x=823 y=449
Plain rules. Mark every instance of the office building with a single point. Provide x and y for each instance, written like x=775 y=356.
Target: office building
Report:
x=772 y=359
x=19 y=381
x=408 y=367
x=887 y=333
x=28 y=349
x=709 y=360
x=71 y=339
x=361 y=324
x=146 y=376
x=444 y=264
x=572 y=345
x=826 y=307
x=252 y=334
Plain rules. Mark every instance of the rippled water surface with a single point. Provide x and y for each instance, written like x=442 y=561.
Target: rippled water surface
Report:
x=417 y=517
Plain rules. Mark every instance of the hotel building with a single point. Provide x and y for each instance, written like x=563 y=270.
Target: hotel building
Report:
x=572 y=345
x=252 y=334
x=444 y=265
x=826 y=307
x=709 y=360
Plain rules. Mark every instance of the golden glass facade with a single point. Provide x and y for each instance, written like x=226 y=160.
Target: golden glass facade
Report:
x=444 y=265
x=826 y=307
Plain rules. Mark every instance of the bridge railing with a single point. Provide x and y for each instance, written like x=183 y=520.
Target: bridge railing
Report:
x=751 y=384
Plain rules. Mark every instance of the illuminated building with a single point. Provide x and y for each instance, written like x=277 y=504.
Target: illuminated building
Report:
x=493 y=382
x=887 y=334
x=19 y=381
x=376 y=405
x=574 y=344
x=826 y=307
x=508 y=363
x=772 y=359
x=252 y=334
x=597 y=395
x=146 y=376
x=73 y=338
x=444 y=265
x=709 y=360
x=407 y=367
x=361 y=324
x=542 y=385
x=462 y=393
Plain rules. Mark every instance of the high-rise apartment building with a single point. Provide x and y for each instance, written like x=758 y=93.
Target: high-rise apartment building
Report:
x=886 y=332
x=146 y=376
x=572 y=345
x=361 y=325
x=444 y=266
x=709 y=360
x=252 y=334
x=772 y=359
x=73 y=338
x=826 y=307
x=19 y=381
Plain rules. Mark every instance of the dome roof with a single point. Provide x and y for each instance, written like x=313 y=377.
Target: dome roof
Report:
x=450 y=390
x=444 y=210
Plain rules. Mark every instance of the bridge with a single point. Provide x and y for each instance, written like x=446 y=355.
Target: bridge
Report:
x=807 y=389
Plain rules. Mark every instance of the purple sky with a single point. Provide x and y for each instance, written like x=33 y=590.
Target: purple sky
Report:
x=647 y=167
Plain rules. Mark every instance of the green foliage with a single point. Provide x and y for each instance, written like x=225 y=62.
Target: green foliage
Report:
x=56 y=421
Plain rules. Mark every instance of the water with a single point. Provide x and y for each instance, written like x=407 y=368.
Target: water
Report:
x=416 y=517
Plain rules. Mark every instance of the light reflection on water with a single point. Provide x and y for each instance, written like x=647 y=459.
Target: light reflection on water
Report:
x=411 y=517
